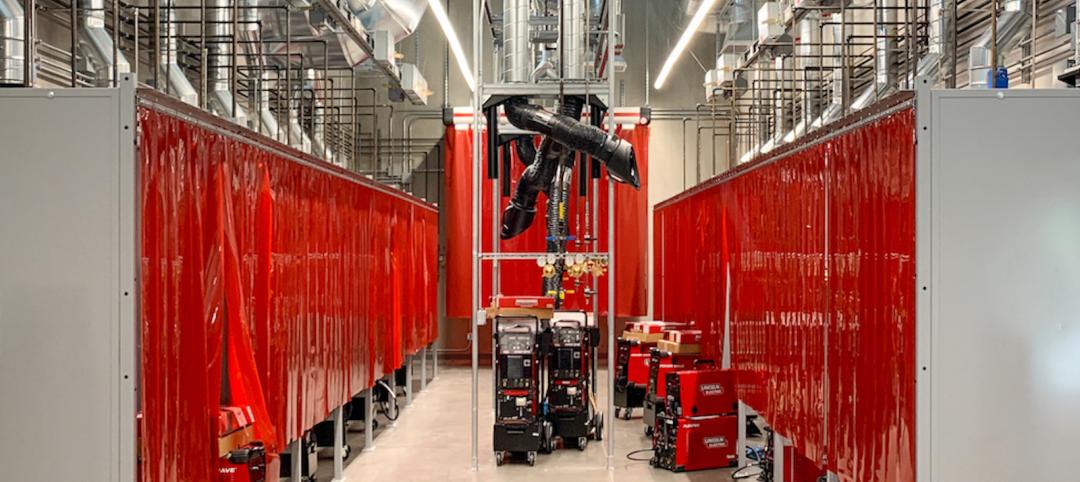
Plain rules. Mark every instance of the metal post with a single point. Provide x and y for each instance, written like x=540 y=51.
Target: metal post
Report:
x=339 y=446
x=74 y=12
x=156 y=60
x=116 y=43
x=611 y=243
x=369 y=418
x=297 y=464
x=135 y=47
x=288 y=76
x=435 y=360
x=204 y=54
x=476 y=207
x=29 y=37
x=740 y=444
x=423 y=368
x=393 y=397
x=408 y=380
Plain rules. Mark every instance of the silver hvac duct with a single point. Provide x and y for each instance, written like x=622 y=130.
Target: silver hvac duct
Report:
x=1012 y=24
x=11 y=42
x=516 y=48
x=318 y=124
x=100 y=43
x=264 y=118
x=179 y=85
x=545 y=69
x=938 y=51
x=574 y=38
x=220 y=74
x=885 y=82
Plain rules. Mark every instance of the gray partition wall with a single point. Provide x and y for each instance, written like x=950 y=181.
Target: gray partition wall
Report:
x=68 y=284
x=998 y=248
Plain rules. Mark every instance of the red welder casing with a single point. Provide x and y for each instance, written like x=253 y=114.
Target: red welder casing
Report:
x=698 y=392
x=701 y=443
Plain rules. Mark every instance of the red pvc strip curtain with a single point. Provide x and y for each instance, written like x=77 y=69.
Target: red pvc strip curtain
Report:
x=524 y=277
x=302 y=286
x=819 y=246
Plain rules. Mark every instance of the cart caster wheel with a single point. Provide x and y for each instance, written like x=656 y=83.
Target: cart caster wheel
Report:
x=345 y=451
x=500 y=457
x=582 y=442
x=548 y=445
x=648 y=431
x=627 y=414
x=617 y=412
x=532 y=458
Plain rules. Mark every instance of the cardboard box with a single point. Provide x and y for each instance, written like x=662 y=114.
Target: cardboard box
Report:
x=648 y=327
x=679 y=348
x=643 y=337
x=685 y=337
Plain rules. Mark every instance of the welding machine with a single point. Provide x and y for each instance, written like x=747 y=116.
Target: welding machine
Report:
x=518 y=424
x=631 y=375
x=244 y=464
x=695 y=443
x=568 y=403
x=701 y=391
x=660 y=364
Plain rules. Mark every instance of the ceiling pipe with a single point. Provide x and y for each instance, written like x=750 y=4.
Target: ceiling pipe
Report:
x=515 y=46
x=179 y=85
x=12 y=48
x=100 y=44
x=222 y=99
x=1012 y=24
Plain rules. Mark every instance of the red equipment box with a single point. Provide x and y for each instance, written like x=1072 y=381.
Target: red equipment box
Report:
x=531 y=302
x=695 y=443
x=660 y=364
x=685 y=337
x=638 y=369
x=698 y=392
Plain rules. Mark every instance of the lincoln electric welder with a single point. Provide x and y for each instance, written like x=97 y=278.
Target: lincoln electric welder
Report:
x=631 y=375
x=570 y=366
x=660 y=364
x=699 y=424
x=518 y=424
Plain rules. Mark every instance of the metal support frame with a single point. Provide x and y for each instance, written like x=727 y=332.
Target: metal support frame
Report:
x=369 y=418
x=339 y=447
x=533 y=90
x=408 y=380
x=423 y=368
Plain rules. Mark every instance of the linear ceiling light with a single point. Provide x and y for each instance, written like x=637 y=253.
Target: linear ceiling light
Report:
x=455 y=44
x=684 y=41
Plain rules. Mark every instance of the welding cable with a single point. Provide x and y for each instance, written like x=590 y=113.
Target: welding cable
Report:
x=630 y=456
x=739 y=475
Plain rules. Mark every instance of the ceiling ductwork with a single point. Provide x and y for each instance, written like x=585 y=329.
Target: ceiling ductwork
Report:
x=12 y=49
x=100 y=44
x=1012 y=25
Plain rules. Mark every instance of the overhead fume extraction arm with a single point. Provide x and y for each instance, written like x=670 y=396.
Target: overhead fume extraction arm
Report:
x=562 y=133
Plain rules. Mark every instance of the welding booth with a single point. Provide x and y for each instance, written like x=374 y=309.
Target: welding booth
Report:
x=178 y=276
x=891 y=291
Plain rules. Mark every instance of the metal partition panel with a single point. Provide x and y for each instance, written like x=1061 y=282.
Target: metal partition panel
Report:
x=1002 y=315
x=67 y=284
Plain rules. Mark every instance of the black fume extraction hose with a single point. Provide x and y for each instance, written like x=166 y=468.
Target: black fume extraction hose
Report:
x=563 y=132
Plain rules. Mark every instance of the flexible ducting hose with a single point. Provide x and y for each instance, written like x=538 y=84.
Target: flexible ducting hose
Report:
x=562 y=133
x=616 y=154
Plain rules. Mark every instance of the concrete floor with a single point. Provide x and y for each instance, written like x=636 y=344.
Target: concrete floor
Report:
x=431 y=442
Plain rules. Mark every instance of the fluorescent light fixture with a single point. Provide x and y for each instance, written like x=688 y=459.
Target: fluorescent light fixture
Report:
x=684 y=41
x=455 y=44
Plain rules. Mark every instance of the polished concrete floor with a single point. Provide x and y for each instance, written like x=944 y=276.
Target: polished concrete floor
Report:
x=431 y=442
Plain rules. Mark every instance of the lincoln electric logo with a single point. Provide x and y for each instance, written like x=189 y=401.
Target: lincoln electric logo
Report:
x=716 y=442
x=711 y=389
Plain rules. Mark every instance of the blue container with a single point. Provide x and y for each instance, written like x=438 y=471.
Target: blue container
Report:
x=998 y=79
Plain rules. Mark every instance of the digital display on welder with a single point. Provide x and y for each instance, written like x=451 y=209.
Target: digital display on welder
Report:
x=565 y=360
x=515 y=367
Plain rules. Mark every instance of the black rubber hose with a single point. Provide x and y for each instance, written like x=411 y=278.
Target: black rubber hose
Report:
x=526 y=150
x=537 y=178
x=617 y=154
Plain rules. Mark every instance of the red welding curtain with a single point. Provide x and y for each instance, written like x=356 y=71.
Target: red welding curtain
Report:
x=283 y=270
x=523 y=277
x=847 y=204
